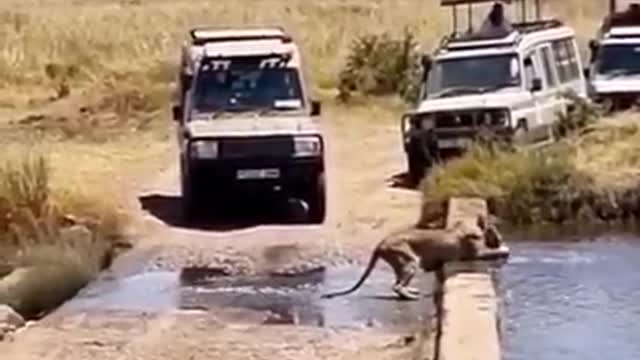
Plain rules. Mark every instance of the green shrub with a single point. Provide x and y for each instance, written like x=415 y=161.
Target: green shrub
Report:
x=379 y=64
x=583 y=114
x=522 y=187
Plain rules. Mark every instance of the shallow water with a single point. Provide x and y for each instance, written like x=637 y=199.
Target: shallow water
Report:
x=276 y=300
x=570 y=301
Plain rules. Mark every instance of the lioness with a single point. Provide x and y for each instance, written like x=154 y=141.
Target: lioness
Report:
x=407 y=249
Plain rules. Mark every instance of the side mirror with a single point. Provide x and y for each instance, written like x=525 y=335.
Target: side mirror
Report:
x=177 y=112
x=536 y=85
x=316 y=108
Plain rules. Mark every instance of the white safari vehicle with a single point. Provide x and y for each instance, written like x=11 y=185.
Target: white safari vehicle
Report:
x=509 y=86
x=614 y=69
x=246 y=124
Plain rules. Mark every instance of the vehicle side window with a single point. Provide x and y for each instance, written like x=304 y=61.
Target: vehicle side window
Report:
x=549 y=75
x=529 y=71
x=566 y=60
x=573 y=59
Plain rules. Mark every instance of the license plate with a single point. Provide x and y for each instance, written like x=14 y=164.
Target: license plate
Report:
x=249 y=174
x=454 y=143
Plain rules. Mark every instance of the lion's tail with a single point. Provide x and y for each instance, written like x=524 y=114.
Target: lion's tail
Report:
x=372 y=263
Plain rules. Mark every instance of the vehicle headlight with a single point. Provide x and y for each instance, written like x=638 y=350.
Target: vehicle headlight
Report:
x=307 y=146
x=497 y=118
x=204 y=149
x=422 y=121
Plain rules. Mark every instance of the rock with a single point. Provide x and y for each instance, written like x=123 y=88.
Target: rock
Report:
x=9 y=320
x=34 y=290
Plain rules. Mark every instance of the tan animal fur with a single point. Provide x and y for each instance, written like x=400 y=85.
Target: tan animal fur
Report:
x=429 y=249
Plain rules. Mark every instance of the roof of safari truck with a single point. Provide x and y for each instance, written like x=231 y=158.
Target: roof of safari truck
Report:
x=229 y=41
x=253 y=48
x=205 y=34
x=525 y=35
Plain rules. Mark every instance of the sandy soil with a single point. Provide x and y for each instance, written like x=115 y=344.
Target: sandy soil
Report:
x=364 y=152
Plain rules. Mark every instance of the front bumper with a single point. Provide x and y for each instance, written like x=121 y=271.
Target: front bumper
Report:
x=289 y=175
x=432 y=143
x=617 y=100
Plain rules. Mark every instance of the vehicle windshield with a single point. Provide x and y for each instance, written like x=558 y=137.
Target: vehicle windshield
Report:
x=472 y=75
x=247 y=87
x=615 y=60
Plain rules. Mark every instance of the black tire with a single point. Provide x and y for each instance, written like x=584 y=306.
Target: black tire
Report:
x=317 y=200
x=519 y=139
x=420 y=152
x=417 y=169
x=190 y=204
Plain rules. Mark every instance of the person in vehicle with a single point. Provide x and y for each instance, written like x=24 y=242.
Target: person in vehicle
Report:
x=496 y=24
x=629 y=17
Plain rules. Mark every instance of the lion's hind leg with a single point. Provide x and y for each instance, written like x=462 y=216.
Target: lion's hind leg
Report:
x=405 y=267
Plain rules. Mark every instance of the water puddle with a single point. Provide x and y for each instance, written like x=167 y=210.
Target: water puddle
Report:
x=570 y=301
x=280 y=299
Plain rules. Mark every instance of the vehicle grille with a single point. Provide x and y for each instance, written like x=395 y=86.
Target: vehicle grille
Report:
x=475 y=118
x=448 y=119
x=257 y=147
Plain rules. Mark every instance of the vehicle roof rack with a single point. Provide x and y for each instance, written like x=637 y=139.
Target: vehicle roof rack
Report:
x=619 y=18
x=469 y=3
x=623 y=32
x=457 y=41
x=537 y=25
x=207 y=34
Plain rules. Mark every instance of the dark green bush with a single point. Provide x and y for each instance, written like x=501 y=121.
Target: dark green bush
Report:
x=379 y=64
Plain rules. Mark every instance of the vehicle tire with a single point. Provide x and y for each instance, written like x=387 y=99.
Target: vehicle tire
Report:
x=317 y=200
x=420 y=151
x=418 y=168
x=190 y=204
x=519 y=138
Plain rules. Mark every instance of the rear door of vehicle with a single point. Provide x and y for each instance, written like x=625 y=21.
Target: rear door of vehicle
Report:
x=549 y=99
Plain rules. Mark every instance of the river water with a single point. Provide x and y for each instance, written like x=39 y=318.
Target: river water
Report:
x=571 y=300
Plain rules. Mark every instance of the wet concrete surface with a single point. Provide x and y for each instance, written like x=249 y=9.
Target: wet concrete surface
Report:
x=568 y=300
x=268 y=299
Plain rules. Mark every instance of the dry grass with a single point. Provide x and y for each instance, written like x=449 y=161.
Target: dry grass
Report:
x=592 y=175
x=133 y=41
x=610 y=154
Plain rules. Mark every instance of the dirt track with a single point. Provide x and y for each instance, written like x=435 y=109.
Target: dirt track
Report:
x=363 y=154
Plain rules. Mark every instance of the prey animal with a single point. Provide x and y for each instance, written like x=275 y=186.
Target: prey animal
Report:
x=429 y=249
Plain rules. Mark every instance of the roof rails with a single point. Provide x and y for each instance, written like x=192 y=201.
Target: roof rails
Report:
x=207 y=34
x=537 y=25
x=267 y=49
x=455 y=3
x=623 y=32
x=473 y=41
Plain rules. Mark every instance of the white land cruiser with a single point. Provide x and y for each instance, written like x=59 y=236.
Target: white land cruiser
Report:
x=509 y=86
x=246 y=124
x=614 y=69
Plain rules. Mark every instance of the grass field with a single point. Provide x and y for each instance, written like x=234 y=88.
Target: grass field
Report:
x=100 y=42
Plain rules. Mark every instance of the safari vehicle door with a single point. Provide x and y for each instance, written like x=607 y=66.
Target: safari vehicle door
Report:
x=549 y=100
x=532 y=117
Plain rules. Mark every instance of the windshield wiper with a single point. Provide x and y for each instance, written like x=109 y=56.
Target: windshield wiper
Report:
x=457 y=90
x=474 y=90
x=497 y=87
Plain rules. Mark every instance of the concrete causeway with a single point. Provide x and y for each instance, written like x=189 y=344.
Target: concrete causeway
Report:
x=468 y=312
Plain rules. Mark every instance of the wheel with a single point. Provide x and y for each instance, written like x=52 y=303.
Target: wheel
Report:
x=420 y=153
x=317 y=201
x=190 y=205
x=519 y=138
x=418 y=167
